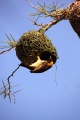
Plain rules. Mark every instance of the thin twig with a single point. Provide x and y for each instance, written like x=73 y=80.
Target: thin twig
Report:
x=6 y=50
x=42 y=10
x=35 y=23
x=3 y=87
x=57 y=14
x=11 y=76
x=14 y=95
x=12 y=38
x=32 y=5
x=11 y=44
x=47 y=26
x=4 y=91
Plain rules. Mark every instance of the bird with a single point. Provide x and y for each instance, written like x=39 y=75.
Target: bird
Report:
x=40 y=65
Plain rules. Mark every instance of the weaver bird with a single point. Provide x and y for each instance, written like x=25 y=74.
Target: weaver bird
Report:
x=40 y=65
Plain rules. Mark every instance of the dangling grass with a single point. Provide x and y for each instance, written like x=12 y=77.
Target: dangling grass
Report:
x=10 y=44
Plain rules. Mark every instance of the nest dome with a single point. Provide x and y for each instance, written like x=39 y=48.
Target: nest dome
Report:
x=33 y=44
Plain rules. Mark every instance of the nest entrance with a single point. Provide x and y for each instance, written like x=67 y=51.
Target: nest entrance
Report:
x=46 y=55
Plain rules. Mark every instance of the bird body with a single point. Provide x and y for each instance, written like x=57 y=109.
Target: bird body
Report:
x=41 y=65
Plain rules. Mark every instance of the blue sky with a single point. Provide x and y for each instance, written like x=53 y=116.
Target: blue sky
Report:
x=40 y=98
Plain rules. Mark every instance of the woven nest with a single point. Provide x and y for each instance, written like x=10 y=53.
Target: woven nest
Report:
x=74 y=16
x=33 y=44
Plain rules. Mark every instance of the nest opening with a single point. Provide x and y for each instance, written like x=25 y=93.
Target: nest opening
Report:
x=46 y=55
